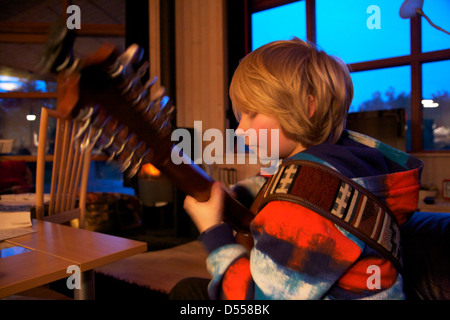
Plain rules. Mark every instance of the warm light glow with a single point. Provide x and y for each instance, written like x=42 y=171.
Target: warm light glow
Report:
x=149 y=170
x=31 y=117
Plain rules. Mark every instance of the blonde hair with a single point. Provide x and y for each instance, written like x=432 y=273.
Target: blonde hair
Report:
x=278 y=80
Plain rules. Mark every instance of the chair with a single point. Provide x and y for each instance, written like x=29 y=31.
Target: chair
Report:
x=70 y=172
x=68 y=189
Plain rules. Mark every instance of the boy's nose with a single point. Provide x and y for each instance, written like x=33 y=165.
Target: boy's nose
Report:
x=243 y=123
x=241 y=126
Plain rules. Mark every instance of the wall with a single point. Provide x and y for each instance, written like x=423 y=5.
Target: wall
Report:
x=201 y=76
x=436 y=168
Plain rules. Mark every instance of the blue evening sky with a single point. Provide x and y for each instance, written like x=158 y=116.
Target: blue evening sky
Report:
x=348 y=30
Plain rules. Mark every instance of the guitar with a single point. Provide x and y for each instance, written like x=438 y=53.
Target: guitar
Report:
x=105 y=90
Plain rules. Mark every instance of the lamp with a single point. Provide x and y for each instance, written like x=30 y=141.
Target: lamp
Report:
x=31 y=116
x=411 y=8
x=428 y=103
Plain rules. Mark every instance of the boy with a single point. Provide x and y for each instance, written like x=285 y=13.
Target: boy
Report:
x=293 y=87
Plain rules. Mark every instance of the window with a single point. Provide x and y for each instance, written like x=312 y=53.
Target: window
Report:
x=382 y=89
x=19 y=114
x=358 y=30
x=395 y=63
x=438 y=12
x=436 y=105
x=19 y=121
x=22 y=95
x=280 y=23
x=16 y=81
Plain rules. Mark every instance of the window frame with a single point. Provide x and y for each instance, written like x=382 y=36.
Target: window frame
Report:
x=415 y=60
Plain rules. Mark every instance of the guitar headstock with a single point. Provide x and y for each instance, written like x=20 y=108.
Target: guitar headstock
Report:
x=58 y=50
x=126 y=117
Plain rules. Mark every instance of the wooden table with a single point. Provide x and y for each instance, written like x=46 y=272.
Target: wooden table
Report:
x=53 y=248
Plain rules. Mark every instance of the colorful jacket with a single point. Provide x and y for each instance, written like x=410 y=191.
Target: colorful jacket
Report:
x=299 y=254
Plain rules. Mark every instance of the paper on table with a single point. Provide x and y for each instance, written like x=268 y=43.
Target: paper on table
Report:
x=15 y=210
x=14 y=232
x=15 y=219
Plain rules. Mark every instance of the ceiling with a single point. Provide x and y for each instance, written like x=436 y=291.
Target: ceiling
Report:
x=25 y=56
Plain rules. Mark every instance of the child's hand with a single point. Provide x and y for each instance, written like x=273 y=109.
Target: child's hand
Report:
x=209 y=213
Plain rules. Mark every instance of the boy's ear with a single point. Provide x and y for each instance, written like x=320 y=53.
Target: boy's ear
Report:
x=311 y=106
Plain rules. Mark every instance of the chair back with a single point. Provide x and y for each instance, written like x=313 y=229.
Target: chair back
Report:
x=69 y=176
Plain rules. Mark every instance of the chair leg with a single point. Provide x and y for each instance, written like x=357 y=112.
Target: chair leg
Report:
x=87 y=290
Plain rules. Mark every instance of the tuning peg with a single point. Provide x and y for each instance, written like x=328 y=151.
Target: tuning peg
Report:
x=74 y=66
x=83 y=129
x=84 y=117
x=159 y=94
x=123 y=145
x=92 y=137
x=144 y=92
x=126 y=164
x=86 y=141
x=111 y=157
x=134 y=84
x=113 y=137
x=128 y=160
x=119 y=151
x=153 y=108
x=84 y=114
x=135 y=169
x=164 y=128
x=57 y=49
x=166 y=108
x=123 y=67
x=97 y=121
x=64 y=64
x=87 y=114
x=99 y=132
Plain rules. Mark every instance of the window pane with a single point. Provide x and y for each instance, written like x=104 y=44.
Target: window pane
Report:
x=381 y=105
x=436 y=105
x=381 y=89
x=361 y=30
x=280 y=23
x=12 y=80
x=14 y=124
x=438 y=11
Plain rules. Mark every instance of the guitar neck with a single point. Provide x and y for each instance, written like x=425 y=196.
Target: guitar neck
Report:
x=134 y=118
x=192 y=180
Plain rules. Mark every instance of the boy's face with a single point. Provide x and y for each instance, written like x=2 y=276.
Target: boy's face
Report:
x=257 y=121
